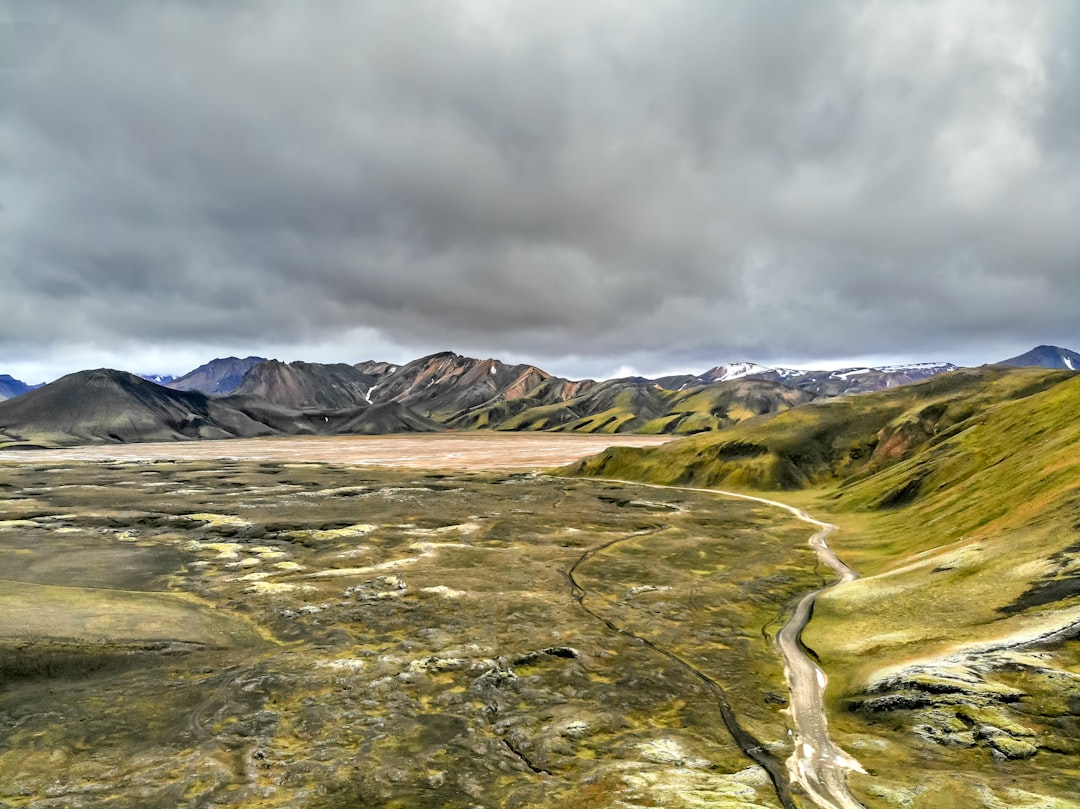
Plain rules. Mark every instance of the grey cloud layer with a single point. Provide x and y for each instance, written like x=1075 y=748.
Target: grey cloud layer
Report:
x=684 y=180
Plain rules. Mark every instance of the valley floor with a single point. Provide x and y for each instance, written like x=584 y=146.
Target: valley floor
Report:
x=473 y=451
x=257 y=633
x=289 y=629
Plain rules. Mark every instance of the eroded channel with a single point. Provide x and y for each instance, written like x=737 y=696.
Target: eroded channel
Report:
x=816 y=764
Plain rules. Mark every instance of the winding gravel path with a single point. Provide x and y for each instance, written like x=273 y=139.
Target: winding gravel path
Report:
x=817 y=765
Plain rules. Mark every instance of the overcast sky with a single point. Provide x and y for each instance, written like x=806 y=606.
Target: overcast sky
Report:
x=593 y=187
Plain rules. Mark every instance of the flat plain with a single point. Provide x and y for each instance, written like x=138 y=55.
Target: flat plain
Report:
x=469 y=451
x=261 y=632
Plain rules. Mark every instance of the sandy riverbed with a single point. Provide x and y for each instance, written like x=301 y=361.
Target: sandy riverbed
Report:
x=438 y=451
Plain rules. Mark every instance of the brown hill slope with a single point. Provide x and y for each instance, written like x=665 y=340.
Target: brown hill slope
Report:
x=445 y=384
x=308 y=385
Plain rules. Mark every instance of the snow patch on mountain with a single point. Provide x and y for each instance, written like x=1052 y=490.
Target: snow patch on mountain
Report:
x=735 y=370
x=936 y=367
x=157 y=379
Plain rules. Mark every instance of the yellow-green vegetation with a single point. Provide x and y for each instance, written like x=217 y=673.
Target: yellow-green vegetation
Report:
x=954 y=662
x=828 y=439
x=264 y=634
x=640 y=407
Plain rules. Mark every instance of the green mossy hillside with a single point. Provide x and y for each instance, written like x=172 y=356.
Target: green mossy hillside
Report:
x=829 y=440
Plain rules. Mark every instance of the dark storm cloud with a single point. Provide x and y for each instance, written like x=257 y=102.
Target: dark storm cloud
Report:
x=676 y=182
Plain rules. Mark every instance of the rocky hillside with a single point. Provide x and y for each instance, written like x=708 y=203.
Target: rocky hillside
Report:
x=446 y=384
x=308 y=385
x=218 y=376
x=638 y=405
x=115 y=406
x=467 y=393
x=447 y=390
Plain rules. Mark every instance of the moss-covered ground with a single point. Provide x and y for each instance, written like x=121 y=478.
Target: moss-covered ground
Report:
x=275 y=634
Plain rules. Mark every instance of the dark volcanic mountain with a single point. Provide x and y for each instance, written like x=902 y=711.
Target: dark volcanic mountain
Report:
x=380 y=419
x=106 y=406
x=1046 y=357
x=217 y=376
x=11 y=387
x=375 y=368
x=113 y=406
x=308 y=385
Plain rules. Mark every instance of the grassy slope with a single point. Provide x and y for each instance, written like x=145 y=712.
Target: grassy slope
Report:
x=615 y=407
x=982 y=561
x=827 y=440
x=958 y=498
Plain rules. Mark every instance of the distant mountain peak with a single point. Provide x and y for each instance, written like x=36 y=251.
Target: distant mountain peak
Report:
x=10 y=387
x=1045 y=356
x=220 y=376
x=157 y=379
x=734 y=370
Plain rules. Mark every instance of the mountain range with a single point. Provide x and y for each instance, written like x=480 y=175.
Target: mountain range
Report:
x=956 y=497
x=254 y=396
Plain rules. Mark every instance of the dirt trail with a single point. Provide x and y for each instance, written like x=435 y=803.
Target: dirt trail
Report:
x=817 y=765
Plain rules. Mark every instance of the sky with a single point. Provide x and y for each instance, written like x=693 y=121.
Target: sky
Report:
x=599 y=188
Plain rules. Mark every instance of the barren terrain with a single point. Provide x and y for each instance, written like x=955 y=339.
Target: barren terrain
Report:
x=422 y=451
